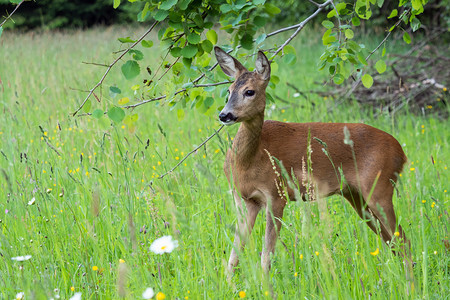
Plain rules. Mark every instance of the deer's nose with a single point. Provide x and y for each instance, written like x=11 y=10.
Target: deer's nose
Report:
x=227 y=117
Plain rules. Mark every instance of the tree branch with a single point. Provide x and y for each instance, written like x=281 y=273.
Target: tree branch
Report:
x=400 y=19
x=10 y=15
x=357 y=82
x=300 y=26
x=189 y=154
x=91 y=91
x=201 y=76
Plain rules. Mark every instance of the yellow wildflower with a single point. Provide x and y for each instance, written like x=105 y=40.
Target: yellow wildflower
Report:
x=376 y=252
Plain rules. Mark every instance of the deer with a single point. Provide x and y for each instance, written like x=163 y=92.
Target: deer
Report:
x=370 y=162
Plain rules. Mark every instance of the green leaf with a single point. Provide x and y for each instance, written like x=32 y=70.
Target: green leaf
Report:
x=331 y=70
x=183 y=4
x=331 y=14
x=180 y=114
x=175 y=51
x=87 y=106
x=394 y=13
x=362 y=59
x=259 y=21
x=189 y=51
x=126 y=40
x=137 y=55
x=289 y=49
x=116 y=114
x=247 y=41
x=261 y=38
x=113 y=91
x=327 y=24
x=211 y=35
x=116 y=4
x=349 y=34
x=338 y=78
x=271 y=9
x=380 y=66
x=415 y=24
x=208 y=102
x=161 y=15
x=207 y=46
x=187 y=62
x=147 y=44
x=193 y=38
x=97 y=113
x=275 y=79
x=407 y=38
x=383 y=53
x=1 y=30
x=167 y=4
x=124 y=100
x=290 y=59
x=417 y=5
x=356 y=21
x=130 y=69
x=367 y=81
x=341 y=6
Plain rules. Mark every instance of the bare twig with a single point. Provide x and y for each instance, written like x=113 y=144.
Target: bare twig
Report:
x=112 y=65
x=301 y=25
x=95 y=64
x=400 y=19
x=170 y=67
x=195 y=149
x=211 y=84
x=145 y=101
x=10 y=15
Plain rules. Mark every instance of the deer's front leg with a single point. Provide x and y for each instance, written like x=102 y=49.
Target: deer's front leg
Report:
x=274 y=214
x=246 y=219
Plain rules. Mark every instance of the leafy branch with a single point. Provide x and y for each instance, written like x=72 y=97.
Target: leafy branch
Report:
x=111 y=65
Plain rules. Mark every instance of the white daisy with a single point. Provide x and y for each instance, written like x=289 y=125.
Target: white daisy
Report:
x=76 y=296
x=164 y=244
x=32 y=201
x=20 y=295
x=21 y=258
x=148 y=293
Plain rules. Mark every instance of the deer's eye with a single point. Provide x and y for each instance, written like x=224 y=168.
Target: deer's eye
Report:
x=249 y=93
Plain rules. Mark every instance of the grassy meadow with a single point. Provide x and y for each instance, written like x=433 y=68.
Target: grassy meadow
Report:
x=83 y=198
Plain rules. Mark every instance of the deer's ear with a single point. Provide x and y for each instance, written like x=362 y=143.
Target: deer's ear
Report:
x=262 y=66
x=230 y=65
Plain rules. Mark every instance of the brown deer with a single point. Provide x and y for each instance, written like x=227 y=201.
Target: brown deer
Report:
x=370 y=161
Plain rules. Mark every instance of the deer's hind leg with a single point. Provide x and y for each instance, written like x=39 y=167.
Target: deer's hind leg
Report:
x=381 y=205
x=357 y=201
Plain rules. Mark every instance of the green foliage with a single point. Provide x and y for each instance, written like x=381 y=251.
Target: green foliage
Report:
x=343 y=56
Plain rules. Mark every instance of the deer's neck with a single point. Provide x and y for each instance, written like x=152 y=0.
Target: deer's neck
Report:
x=247 y=140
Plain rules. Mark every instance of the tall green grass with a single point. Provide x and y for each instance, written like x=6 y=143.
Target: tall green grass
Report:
x=98 y=203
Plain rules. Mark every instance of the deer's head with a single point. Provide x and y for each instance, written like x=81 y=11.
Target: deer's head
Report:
x=247 y=94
